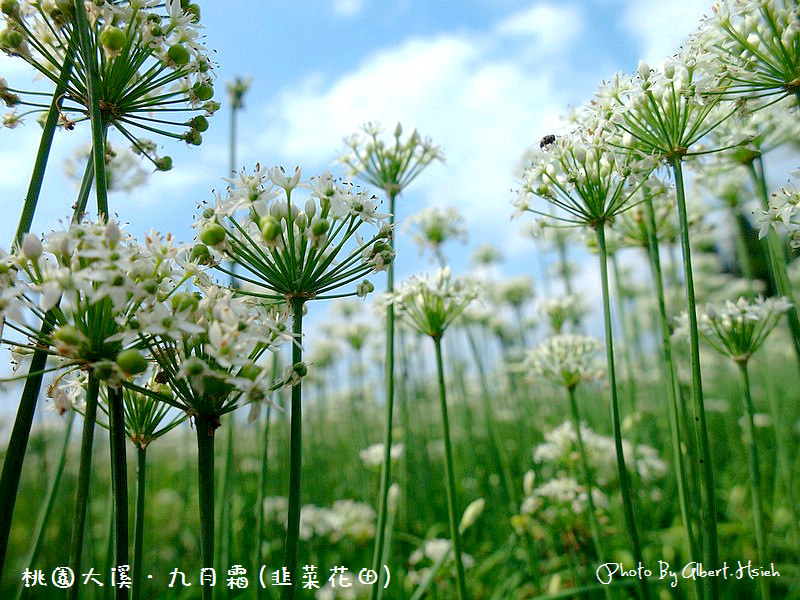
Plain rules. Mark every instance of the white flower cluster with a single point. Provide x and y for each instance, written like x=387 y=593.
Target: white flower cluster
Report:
x=562 y=310
x=560 y=499
x=372 y=456
x=754 y=46
x=737 y=329
x=566 y=359
x=433 y=226
x=583 y=175
x=344 y=519
x=559 y=451
x=430 y=305
x=296 y=249
x=783 y=213
x=432 y=552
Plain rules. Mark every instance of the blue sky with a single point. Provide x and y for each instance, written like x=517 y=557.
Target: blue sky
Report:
x=485 y=79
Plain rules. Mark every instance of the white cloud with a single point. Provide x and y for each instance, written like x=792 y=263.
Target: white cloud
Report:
x=483 y=97
x=661 y=27
x=348 y=8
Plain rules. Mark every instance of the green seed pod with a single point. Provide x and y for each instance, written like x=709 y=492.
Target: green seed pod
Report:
x=213 y=234
x=194 y=10
x=178 y=54
x=182 y=301
x=203 y=91
x=300 y=368
x=113 y=38
x=320 y=226
x=164 y=163
x=131 y=362
x=198 y=123
x=193 y=137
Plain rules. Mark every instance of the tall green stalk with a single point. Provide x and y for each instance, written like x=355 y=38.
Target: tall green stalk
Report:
x=380 y=534
x=295 y=457
x=450 y=481
x=755 y=478
x=206 y=426
x=624 y=482
x=138 y=527
x=263 y=477
x=710 y=544
x=49 y=502
x=587 y=475
x=82 y=490
x=670 y=378
x=119 y=479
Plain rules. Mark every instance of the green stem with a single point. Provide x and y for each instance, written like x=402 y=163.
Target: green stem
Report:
x=755 y=479
x=452 y=511
x=295 y=457
x=624 y=483
x=777 y=259
x=119 y=480
x=45 y=144
x=84 y=472
x=225 y=501
x=89 y=55
x=587 y=475
x=83 y=193
x=386 y=468
x=138 y=527
x=18 y=443
x=206 y=426
x=710 y=544
x=47 y=505
x=262 y=493
x=671 y=380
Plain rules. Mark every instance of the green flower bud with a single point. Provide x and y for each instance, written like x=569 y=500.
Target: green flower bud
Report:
x=9 y=7
x=203 y=91
x=194 y=366
x=320 y=227
x=270 y=228
x=208 y=213
x=182 y=301
x=213 y=234
x=198 y=123
x=131 y=362
x=178 y=54
x=250 y=371
x=11 y=39
x=103 y=369
x=113 y=38
x=164 y=163
x=67 y=334
x=200 y=254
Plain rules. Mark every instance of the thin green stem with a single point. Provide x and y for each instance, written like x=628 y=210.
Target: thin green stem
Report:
x=624 y=483
x=709 y=513
x=119 y=480
x=206 y=426
x=587 y=475
x=755 y=478
x=671 y=382
x=295 y=457
x=84 y=472
x=18 y=443
x=262 y=493
x=378 y=556
x=138 y=527
x=43 y=154
x=49 y=502
x=452 y=512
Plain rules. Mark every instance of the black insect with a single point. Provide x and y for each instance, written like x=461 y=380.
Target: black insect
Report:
x=546 y=141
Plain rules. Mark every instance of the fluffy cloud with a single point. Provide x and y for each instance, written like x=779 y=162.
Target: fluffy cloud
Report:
x=484 y=97
x=661 y=27
x=348 y=8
